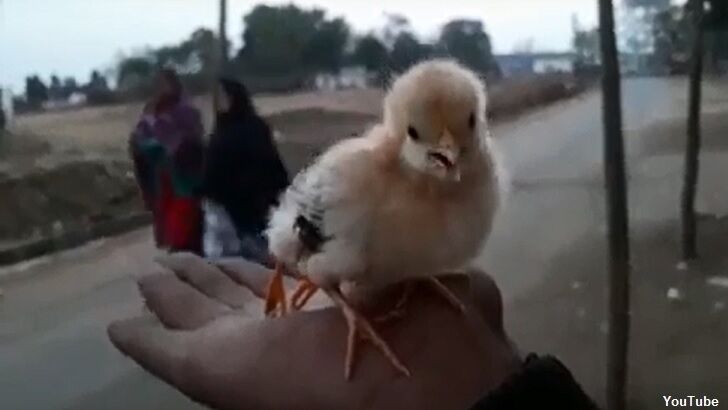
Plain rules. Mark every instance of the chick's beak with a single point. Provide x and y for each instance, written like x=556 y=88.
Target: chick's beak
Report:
x=446 y=156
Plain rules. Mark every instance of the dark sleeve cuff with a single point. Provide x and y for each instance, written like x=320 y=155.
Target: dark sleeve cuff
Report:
x=542 y=383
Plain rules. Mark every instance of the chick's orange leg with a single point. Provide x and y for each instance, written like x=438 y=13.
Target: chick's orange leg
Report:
x=305 y=290
x=447 y=294
x=275 y=300
x=356 y=322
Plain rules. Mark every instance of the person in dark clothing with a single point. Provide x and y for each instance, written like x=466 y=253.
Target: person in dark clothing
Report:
x=2 y=120
x=244 y=176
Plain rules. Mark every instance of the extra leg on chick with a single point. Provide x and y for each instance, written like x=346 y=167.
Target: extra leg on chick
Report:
x=356 y=323
x=400 y=307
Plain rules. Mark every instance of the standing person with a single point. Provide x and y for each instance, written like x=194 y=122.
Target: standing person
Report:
x=2 y=119
x=167 y=150
x=244 y=176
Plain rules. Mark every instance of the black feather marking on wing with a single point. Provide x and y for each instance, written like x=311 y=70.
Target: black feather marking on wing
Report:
x=309 y=222
x=309 y=234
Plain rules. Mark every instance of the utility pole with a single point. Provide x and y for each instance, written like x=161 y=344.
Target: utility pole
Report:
x=617 y=213
x=222 y=53
x=692 y=149
x=223 y=36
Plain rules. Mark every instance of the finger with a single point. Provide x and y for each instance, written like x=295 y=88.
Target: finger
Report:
x=251 y=275
x=159 y=351
x=177 y=304
x=208 y=365
x=206 y=278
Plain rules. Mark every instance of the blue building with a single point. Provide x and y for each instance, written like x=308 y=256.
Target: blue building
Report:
x=535 y=63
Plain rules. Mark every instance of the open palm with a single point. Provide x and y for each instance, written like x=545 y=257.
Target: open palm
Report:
x=208 y=339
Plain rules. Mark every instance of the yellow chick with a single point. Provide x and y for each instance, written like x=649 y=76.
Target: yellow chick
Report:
x=412 y=198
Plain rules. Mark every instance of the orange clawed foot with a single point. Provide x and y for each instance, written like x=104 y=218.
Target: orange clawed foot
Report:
x=303 y=293
x=275 y=300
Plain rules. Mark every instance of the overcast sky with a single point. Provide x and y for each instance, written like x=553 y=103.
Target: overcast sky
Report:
x=71 y=37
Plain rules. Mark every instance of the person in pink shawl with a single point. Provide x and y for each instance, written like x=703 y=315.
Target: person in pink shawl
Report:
x=167 y=149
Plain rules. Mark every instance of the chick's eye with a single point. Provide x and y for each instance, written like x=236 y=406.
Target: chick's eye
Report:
x=412 y=132
x=471 y=121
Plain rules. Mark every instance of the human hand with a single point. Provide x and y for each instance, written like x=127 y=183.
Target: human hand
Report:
x=212 y=344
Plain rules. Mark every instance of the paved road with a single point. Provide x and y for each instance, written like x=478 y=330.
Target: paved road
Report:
x=53 y=348
x=554 y=162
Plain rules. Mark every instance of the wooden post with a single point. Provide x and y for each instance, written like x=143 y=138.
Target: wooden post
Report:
x=222 y=54
x=692 y=148
x=223 y=36
x=617 y=213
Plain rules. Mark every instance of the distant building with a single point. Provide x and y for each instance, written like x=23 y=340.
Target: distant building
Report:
x=515 y=64
x=76 y=99
x=535 y=63
x=348 y=77
x=634 y=63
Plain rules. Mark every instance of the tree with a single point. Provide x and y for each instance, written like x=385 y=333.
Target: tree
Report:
x=637 y=28
x=276 y=38
x=97 y=90
x=194 y=55
x=716 y=36
x=467 y=41
x=97 y=81
x=287 y=39
x=194 y=58
x=617 y=214
x=36 y=92
x=586 y=46
x=407 y=51
x=717 y=17
x=69 y=86
x=55 y=90
x=134 y=71
x=395 y=25
x=371 y=53
x=325 y=49
x=201 y=48
x=670 y=31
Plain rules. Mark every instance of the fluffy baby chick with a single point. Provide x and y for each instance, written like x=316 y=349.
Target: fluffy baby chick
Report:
x=412 y=198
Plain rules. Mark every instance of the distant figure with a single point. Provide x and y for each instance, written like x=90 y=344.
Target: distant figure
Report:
x=244 y=176
x=167 y=150
x=2 y=119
